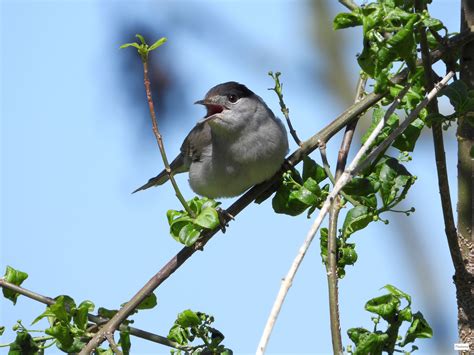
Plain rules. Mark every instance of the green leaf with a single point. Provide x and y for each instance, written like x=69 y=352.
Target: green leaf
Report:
x=398 y=293
x=313 y=170
x=189 y=234
x=61 y=308
x=391 y=123
x=208 y=218
x=395 y=180
x=385 y=306
x=141 y=38
x=124 y=341
x=2 y=329
x=80 y=317
x=126 y=45
x=456 y=92
x=23 y=345
x=158 y=43
x=106 y=313
x=419 y=328
x=62 y=334
x=188 y=318
x=178 y=334
x=372 y=343
x=355 y=334
x=149 y=302
x=407 y=140
x=178 y=224
x=282 y=203
x=303 y=195
x=357 y=218
x=15 y=277
x=471 y=152
x=344 y=20
x=347 y=255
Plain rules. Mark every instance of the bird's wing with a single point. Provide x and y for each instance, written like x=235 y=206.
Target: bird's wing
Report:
x=191 y=150
x=196 y=143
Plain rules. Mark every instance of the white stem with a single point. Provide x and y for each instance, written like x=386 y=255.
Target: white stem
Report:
x=343 y=180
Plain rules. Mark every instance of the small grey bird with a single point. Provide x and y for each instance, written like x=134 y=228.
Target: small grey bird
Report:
x=238 y=144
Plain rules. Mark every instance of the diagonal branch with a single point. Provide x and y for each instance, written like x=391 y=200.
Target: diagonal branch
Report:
x=139 y=333
x=354 y=167
x=306 y=148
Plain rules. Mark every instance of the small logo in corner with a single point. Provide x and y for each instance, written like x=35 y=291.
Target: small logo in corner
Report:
x=461 y=347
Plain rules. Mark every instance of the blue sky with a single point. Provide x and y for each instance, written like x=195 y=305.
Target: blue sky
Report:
x=71 y=154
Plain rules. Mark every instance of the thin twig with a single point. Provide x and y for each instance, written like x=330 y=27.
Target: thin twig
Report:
x=332 y=252
x=284 y=109
x=350 y=4
x=159 y=140
x=354 y=167
x=139 y=333
x=440 y=156
x=306 y=148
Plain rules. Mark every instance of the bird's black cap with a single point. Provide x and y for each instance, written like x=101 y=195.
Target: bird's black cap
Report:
x=230 y=88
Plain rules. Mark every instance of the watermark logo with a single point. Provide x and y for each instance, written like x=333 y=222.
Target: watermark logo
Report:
x=461 y=347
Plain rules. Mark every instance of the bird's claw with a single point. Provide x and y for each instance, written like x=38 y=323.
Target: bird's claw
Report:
x=224 y=218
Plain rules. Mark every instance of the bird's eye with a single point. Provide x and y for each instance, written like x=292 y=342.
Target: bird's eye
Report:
x=232 y=98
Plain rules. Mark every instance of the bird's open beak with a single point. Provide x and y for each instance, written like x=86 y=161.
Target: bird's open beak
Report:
x=212 y=109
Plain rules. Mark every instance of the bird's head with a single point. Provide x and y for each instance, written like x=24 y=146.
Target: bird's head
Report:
x=230 y=107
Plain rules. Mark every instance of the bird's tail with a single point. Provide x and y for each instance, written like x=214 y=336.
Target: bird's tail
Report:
x=177 y=166
x=159 y=179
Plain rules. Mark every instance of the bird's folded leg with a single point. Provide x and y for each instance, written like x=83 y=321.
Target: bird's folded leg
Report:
x=224 y=218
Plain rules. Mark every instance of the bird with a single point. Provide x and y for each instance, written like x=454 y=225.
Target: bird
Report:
x=239 y=143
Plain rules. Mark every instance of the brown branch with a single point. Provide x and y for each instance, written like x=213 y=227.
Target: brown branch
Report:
x=284 y=109
x=306 y=148
x=159 y=140
x=440 y=156
x=113 y=344
x=332 y=252
x=139 y=333
x=350 y=4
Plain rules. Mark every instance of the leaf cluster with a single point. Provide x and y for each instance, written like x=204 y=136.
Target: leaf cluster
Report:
x=299 y=192
x=187 y=229
x=390 y=36
x=388 y=308
x=190 y=326
x=69 y=327
x=143 y=48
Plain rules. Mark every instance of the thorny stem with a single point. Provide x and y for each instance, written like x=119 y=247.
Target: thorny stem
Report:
x=332 y=252
x=354 y=167
x=265 y=188
x=159 y=140
x=92 y=318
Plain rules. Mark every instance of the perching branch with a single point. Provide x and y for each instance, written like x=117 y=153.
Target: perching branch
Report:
x=354 y=167
x=306 y=148
x=139 y=333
